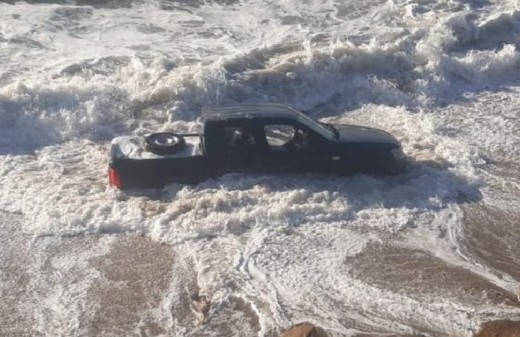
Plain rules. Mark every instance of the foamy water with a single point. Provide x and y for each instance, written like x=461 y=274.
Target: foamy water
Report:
x=431 y=252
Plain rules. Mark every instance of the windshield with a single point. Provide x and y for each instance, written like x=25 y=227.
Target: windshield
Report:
x=314 y=125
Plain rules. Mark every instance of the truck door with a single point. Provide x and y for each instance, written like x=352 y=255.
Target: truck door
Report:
x=289 y=148
x=240 y=148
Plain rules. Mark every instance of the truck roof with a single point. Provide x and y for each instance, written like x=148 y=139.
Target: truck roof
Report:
x=240 y=111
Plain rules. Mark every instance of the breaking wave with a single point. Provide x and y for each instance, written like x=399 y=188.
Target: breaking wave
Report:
x=454 y=59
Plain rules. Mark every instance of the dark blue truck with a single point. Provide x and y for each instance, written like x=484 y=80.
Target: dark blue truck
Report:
x=261 y=138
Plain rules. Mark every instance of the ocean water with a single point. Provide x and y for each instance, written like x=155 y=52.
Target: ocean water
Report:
x=433 y=252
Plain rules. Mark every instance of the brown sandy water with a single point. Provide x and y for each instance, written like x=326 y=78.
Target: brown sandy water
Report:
x=134 y=278
x=131 y=281
x=13 y=278
x=491 y=232
x=135 y=275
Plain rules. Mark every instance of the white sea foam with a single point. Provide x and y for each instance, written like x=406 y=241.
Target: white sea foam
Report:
x=440 y=76
x=58 y=284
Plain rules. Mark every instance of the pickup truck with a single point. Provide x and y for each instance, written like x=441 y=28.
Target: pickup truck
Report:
x=261 y=139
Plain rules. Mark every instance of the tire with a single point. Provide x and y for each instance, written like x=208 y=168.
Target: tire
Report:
x=164 y=143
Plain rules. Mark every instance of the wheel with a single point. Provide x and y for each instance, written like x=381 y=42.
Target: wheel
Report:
x=165 y=143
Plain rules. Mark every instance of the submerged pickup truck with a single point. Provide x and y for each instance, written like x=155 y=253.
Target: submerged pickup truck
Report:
x=262 y=138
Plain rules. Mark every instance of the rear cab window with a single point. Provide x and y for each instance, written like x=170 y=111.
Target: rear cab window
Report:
x=239 y=139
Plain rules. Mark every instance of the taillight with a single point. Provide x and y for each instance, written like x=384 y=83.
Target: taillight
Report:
x=113 y=178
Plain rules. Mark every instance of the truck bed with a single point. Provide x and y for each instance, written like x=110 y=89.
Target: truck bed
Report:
x=132 y=147
x=137 y=168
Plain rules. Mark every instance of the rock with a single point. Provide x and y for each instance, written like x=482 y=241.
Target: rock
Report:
x=200 y=305
x=502 y=328
x=304 y=330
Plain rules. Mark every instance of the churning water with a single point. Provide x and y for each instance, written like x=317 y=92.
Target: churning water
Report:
x=433 y=252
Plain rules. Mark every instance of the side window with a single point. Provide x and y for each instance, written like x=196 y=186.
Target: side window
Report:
x=287 y=138
x=279 y=136
x=239 y=139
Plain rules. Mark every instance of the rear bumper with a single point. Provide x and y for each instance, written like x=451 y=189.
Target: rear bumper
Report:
x=128 y=173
